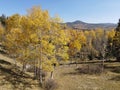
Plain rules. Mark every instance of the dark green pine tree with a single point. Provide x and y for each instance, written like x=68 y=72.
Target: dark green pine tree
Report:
x=116 y=42
x=3 y=19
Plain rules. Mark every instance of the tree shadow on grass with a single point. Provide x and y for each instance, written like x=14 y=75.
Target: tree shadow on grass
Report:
x=116 y=78
x=71 y=73
x=90 y=69
x=115 y=69
x=4 y=62
x=15 y=77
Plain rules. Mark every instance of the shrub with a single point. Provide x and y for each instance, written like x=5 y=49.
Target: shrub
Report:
x=50 y=84
x=30 y=69
x=90 y=69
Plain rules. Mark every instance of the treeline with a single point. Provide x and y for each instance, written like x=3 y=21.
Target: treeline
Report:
x=40 y=41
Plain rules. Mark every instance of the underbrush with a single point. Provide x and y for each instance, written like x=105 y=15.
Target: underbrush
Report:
x=50 y=84
x=90 y=69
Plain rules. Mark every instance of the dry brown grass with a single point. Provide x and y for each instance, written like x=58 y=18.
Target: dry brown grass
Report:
x=66 y=76
x=69 y=79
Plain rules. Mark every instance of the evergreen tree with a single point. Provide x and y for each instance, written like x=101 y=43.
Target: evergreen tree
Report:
x=116 y=42
x=109 y=52
x=3 y=19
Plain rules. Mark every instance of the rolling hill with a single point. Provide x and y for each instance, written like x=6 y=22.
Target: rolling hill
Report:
x=83 y=25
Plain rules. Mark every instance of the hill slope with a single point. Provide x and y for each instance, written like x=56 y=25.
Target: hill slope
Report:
x=12 y=78
x=83 y=25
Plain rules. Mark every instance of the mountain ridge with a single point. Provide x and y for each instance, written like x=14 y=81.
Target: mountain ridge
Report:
x=83 y=25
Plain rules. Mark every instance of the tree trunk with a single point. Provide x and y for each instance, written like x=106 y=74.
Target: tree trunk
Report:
x=35 y=70
x=40 y=63
x=76 y=62
x=103 y=65
x=41 y=79
x=51 y=76
x=15 y=63
x=24 y=67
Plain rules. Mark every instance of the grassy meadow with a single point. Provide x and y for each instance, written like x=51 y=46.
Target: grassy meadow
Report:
x=67 y=77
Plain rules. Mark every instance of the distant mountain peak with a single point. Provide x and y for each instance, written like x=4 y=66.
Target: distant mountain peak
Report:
x=78 y=22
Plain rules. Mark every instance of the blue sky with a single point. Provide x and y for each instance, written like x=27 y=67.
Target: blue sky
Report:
x=92 y=11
